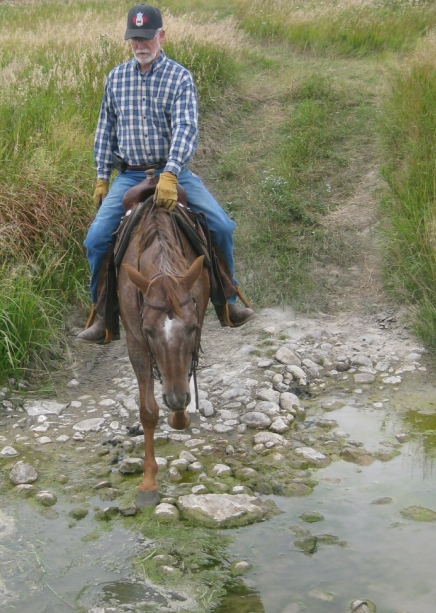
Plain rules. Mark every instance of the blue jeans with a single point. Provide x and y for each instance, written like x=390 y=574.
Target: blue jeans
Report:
x=107 y=220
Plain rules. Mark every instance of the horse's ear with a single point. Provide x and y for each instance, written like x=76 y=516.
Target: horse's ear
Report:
x=136 y=278
x=193 y=273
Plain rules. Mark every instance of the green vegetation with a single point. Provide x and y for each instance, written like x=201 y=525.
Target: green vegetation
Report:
x=340 y=27
x=298 y=104
x=409 y=123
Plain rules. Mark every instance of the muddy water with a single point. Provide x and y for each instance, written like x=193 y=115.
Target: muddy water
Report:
x=54 y=565
x=387 y=559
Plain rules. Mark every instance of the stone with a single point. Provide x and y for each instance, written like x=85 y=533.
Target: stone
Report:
x=402 y=438
x=279 y=426
x=364 y=377
x=383 y=500
x=286 y=356
x=131 y=466
x=418 y=513
x=241 y=567
x=78 y=513
x=311 y=516
x=272 y=409
x=166 y=512
x=23 y=473
x=180 y=464
x=362 y=606
x=206 y=408
x=224 y=510
x=44 y=440
x=297 y=372
x=9 y=452
x=43 y=407
x=316 y=458
x=89 y=425
x=256 y=420
x=162 y=463
x=331 y=404
x=47 y=499
x=288 y=400
x=269 y=395
x=221 y=470
x=195 y=467
x=268 y=437
x=361 y=360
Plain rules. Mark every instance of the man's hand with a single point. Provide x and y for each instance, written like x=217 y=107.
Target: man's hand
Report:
x=166 y=191
x=101 y=191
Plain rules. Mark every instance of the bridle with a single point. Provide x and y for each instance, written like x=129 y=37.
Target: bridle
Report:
x=154 y=372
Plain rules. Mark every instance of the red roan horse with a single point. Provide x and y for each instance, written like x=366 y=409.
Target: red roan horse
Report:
x=163 y=293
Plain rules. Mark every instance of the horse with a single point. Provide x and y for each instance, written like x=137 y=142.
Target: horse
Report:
x=163 y=290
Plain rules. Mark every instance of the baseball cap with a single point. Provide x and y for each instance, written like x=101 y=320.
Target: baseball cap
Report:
x=143 y=20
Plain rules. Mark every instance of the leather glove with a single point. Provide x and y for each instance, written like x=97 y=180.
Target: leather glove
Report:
x=166 y=191
x=101 y=191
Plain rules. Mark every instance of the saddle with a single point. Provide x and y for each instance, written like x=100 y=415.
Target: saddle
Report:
x=136 y=203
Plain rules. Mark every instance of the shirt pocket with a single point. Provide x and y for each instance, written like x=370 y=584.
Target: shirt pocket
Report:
x=160 y=115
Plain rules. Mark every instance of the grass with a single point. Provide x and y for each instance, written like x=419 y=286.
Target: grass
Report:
x=345 y=28
x=290 y=100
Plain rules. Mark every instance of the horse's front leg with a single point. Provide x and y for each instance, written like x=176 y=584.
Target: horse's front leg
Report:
x=149 y=414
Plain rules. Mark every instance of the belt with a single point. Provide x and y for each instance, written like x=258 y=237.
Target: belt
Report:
x=142 y=166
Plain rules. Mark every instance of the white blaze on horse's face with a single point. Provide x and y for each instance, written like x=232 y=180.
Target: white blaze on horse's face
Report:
x=170 y=328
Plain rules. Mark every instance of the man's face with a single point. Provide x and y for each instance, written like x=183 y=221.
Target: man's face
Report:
x=146 y=51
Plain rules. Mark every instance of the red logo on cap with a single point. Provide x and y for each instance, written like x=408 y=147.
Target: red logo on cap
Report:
x=140 y=19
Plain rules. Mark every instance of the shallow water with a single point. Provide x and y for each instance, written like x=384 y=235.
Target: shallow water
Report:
x=388 y=559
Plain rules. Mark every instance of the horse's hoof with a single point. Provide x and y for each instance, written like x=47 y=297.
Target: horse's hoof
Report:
x=147 y=499
x=179 y=420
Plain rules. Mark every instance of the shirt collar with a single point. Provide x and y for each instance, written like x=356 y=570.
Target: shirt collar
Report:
x=155 y=65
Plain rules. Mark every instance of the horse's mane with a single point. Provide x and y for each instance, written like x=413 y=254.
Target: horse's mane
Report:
x=157 y=229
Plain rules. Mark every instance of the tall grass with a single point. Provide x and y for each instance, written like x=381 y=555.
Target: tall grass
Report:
x=50 y=92
x=408 y=129
x=344 y=27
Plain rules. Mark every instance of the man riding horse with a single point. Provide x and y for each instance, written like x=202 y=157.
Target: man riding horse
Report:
x=149 y=119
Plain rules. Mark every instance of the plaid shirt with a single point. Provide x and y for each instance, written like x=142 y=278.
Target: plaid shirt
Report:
x=147 y=119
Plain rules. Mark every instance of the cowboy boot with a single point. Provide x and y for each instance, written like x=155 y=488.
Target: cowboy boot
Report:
x=96 y=331
x=233 y=315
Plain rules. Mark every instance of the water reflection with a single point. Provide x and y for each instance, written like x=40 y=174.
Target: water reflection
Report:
x=241 y=599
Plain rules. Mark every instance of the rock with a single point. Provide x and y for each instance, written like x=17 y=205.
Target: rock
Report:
x=221 y=470
x=47 y=499
x=315 y=458
x=78 y=513
x=224 y=510
x=239 y=568
x=89 y=425
x=43 y=407
x=418 y=513
x=402 y=438
x=195 y=467
x=286 y=356
x=199 y=489
x=288 y=400
x=162 y=463
x=256 y=420
x=362 y=606
x=180 y=464
x=297 y=372
x=383 y=500
x=166 y=512
x=246 y=473
x=269 y=395
x=272 y=409
x=311 y=516
x=361 y=360
x=130 y=466
x=43 y=440
x=174 y=475
x=279 y=426
x=265 y=363
x=206 y=408
x=268 y=437
x=331 y=404
x=364 y=377
x=8 y=452
x=308 y=544
x=23 y=473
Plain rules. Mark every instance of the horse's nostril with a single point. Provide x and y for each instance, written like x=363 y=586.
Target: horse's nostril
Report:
x=188 y=398
x=164 y=398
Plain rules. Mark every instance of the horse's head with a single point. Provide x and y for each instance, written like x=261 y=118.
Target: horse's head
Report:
x=171 y=328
